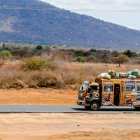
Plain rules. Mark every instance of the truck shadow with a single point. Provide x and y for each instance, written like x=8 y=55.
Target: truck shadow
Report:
x=105 y=109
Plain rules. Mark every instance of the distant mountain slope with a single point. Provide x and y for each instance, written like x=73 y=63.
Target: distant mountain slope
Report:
x=33 y=21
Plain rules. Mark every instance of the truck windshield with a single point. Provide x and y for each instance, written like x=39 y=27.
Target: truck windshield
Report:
x=83 y=87
x=130 y=88
x=92 y=89
x=108 y=88
x=138 y=88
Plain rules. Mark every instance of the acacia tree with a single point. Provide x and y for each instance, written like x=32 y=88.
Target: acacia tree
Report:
x=120 y=59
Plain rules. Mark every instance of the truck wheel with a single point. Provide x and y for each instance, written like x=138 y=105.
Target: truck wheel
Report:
x=94 y=106
x=137 y=108
x=87 y=107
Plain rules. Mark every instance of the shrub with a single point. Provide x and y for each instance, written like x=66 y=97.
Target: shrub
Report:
x=44 y=79
x=23 y=51
x=35 y=63
x=5 y=54
x=130 y=54
x=80 y=59
x=11 y=77
x=39 y=47
x=79 y=53
x=87 y=53
x=71 y=77
x=90 y=58
x=93 y=50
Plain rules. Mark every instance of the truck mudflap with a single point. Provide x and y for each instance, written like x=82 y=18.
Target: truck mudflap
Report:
x=136 y=103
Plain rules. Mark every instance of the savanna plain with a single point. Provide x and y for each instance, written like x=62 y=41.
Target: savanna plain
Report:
x=53 y=78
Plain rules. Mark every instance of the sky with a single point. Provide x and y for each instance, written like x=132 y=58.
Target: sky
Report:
x=122 y=12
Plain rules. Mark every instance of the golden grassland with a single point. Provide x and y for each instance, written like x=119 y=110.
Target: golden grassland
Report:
x=57 y=86
x=63 y=75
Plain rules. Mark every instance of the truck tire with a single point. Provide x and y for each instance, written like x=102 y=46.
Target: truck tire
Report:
x=94 y=106
x=87 y=107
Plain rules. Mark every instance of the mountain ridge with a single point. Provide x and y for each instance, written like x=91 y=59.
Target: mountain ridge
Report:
x=34 y=21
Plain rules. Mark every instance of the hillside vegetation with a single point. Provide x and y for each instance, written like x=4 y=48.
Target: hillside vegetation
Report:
x=42 y=66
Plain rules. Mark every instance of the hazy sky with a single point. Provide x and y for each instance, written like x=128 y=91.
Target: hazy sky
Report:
x=123 y=12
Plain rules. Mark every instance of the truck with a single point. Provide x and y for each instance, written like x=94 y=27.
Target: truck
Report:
x=109 y=92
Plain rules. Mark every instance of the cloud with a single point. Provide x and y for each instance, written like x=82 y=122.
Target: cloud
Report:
x=133 y=4
x=96 y=4
x=123 y=12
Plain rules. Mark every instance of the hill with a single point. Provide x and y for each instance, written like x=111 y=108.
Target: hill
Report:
x=33 y=21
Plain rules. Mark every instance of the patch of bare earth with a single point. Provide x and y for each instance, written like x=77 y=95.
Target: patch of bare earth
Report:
x=38 y=96
x=60 y=126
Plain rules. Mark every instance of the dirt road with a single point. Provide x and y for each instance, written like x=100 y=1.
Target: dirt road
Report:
x=69 y=126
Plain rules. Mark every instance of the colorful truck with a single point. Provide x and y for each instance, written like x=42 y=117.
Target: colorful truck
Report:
x=112 y=92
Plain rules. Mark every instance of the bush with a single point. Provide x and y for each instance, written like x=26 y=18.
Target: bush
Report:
x=93 y=50
x=130 y=54
x=44 y=79
x=5 y=54
x=22 y=52
x=71 y=78
x=39 y=47
x=78 y=53
x=81 y=59
x=35 y=63
x=90 y=58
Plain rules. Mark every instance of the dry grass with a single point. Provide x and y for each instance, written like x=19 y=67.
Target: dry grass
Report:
x=61 y=74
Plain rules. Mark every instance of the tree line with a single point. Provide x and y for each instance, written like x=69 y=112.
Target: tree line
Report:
x=70 y=54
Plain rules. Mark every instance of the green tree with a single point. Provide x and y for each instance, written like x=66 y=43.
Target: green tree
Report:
x=120 y=59
x=78 y=53
x=93 y=50
x=5 y=54
x=80 y=59
x=130 y=54
x=39 y=47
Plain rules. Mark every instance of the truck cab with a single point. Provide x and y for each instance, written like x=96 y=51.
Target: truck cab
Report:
x=88 y=95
